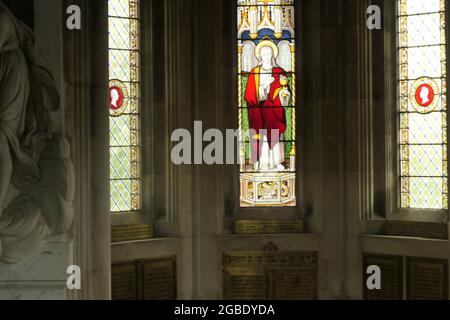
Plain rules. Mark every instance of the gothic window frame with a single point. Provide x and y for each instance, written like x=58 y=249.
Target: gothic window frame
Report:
x=387 y=185
x=146 y=211
x=274 y=212
x=124 y=106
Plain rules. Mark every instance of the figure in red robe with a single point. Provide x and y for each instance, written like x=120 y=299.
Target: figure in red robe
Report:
x=267 y=94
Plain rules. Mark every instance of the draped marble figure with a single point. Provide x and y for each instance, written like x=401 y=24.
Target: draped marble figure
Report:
x=36 y=174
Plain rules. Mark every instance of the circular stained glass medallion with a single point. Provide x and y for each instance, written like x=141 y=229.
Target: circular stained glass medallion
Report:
x=118 y=94
x=424 y=95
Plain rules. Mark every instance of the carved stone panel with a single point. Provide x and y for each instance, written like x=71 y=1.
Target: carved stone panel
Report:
x=426 y=279
x=293 y=283
x=270 y=274
x=268 y=226
x=123 y=281
x=131 y=232
x=157 y=279
x=417 y=229
x=147 y=279
x=244 y=283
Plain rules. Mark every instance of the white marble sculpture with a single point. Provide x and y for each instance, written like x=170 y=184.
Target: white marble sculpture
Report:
x=36 y=174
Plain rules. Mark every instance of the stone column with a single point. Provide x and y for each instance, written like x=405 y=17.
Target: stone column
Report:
x=86 y=74
x=101 y=218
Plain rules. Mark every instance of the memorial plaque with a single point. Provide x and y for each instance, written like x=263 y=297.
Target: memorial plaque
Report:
x=244 y=283
x=391 y=277
x=243 y=258
x=293 y=283
x=123 y=281
x=157 y=279
x=426 y=279
x=131 y=232
x=268 y=226
x=270 y=274
x=270 y=258
x=417 y=229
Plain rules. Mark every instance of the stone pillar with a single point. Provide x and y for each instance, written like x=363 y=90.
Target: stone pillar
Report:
x=86 y=76
x=101 y=218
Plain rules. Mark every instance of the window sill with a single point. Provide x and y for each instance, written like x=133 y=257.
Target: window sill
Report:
x=144 y=249
x=420 y=215
x=413 y=223
x=144 y=241
x=404 y=246
x=402 y=238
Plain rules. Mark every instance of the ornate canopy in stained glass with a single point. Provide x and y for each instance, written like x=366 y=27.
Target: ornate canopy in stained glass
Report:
x=267 y=96
x=124 y=104
x=422 y=104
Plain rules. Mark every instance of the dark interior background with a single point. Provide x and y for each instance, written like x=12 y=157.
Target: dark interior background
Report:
x=23 y=9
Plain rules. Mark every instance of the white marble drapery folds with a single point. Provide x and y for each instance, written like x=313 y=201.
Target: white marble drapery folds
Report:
x=36 y=174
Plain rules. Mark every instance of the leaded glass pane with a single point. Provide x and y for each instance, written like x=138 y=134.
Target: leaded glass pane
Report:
x=422 y=104
x=124 y=105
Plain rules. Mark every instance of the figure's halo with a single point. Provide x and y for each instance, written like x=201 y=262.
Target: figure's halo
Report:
x=266 y=43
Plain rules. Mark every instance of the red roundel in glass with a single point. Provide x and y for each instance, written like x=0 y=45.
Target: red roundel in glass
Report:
x=424 y=95
x=116 y=98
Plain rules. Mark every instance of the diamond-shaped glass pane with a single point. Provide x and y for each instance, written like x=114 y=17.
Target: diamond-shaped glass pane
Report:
x=120 y=163
x=425 y=160
x=426 y=193
x=422 y=6
x=425 y=128
x=120 y=131
x=424 y=30
x=124 y=120
x=422 y=104
x=121 y=195
x=424 y=61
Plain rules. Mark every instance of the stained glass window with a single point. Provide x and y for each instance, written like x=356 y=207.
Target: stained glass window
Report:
x=267 y=95
x=422 y=104
x=124 y=104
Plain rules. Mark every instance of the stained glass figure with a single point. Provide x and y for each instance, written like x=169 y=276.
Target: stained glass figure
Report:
x=267 y=95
